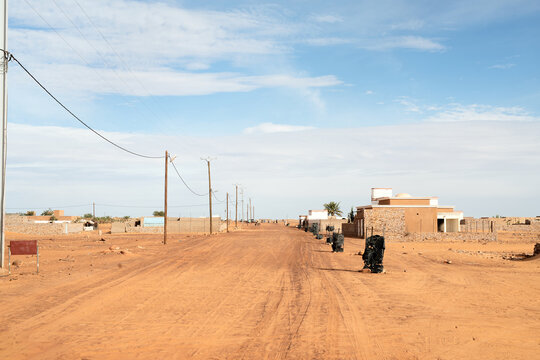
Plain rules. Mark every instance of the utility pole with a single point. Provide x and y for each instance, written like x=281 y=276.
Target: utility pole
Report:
x=250 y=211
x=209 y=191
x=3 y=138
x=254 y=211
x=94 y=209
x=227 y=212
x=236 y=209
x=165 y=207
x=242 y=204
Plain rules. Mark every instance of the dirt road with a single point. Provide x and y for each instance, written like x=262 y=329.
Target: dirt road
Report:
x=270 y=292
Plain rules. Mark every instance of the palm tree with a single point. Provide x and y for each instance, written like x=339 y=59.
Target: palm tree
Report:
x=333 y=208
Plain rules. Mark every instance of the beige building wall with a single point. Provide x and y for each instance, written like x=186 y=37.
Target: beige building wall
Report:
x=420 y=220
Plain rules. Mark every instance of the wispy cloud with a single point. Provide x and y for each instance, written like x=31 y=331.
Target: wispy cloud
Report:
x=404 y=42
x=328 y=41
x=502 y=66
x=268 y=128
x=456 y=112
x=331 y=19
x=409 y=104
x=474 y=112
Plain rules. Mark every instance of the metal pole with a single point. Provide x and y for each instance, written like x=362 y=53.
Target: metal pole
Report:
x=250 y=210
x=165 y=207
x=227 y=212
x=94 y=209
x=3 y=138
x=236 y=211
x=242 y=205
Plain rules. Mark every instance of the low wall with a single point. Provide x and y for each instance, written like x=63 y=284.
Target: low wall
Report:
x=501 y=224
x=443 y=237
x=174 y=225
x=37 y=229
x=20 y=224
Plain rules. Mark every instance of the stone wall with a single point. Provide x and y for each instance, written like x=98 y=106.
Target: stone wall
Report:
x=443 y=237
x=22 y=225
x=387 y=220
x=174 y=225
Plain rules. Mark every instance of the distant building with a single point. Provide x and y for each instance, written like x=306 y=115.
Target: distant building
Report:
x=317 y=215
x=403 y=213
x=58 y=215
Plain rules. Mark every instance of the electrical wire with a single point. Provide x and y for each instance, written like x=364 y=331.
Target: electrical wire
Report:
x=73 y=49
x=181 y=178
x=143 y=87
x=215 y=197
x=11 y=57
x=150 y=207
x=101 y=56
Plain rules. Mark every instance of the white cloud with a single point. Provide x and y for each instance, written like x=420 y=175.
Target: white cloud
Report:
x=328 y=41
x=284 y=172
x=502 y=66
x=331 y=19
x=404 y=42
x=458 y=112
x=409 y=104
x=197 y=66
x=158 y=82
x=268 y=128
x=369 y=92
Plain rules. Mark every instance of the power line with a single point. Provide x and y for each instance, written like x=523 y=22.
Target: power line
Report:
x=181 y=178
x=148 y=207
x=102 y=57
x=98 y=74
x=11 y=57
x=148 y=93
x=215 y=197
x=72 y=48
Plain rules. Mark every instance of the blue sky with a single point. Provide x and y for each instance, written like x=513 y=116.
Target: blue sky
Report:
x=271 y=89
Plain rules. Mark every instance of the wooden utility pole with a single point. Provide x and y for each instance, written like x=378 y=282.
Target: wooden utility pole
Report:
x=165 y=205
x=209 y=191
x=227 y=212
x=3 y=137
x=93 y=209
x=236 y=210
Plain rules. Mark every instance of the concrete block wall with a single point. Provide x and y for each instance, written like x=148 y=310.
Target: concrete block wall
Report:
x=118 y=228
x=513 y=224
x=74 y=228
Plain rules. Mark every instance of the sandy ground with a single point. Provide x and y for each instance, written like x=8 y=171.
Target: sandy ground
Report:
x=270 y=292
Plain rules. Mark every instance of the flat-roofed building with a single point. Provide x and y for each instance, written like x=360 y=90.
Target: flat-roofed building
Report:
x=403 y=213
